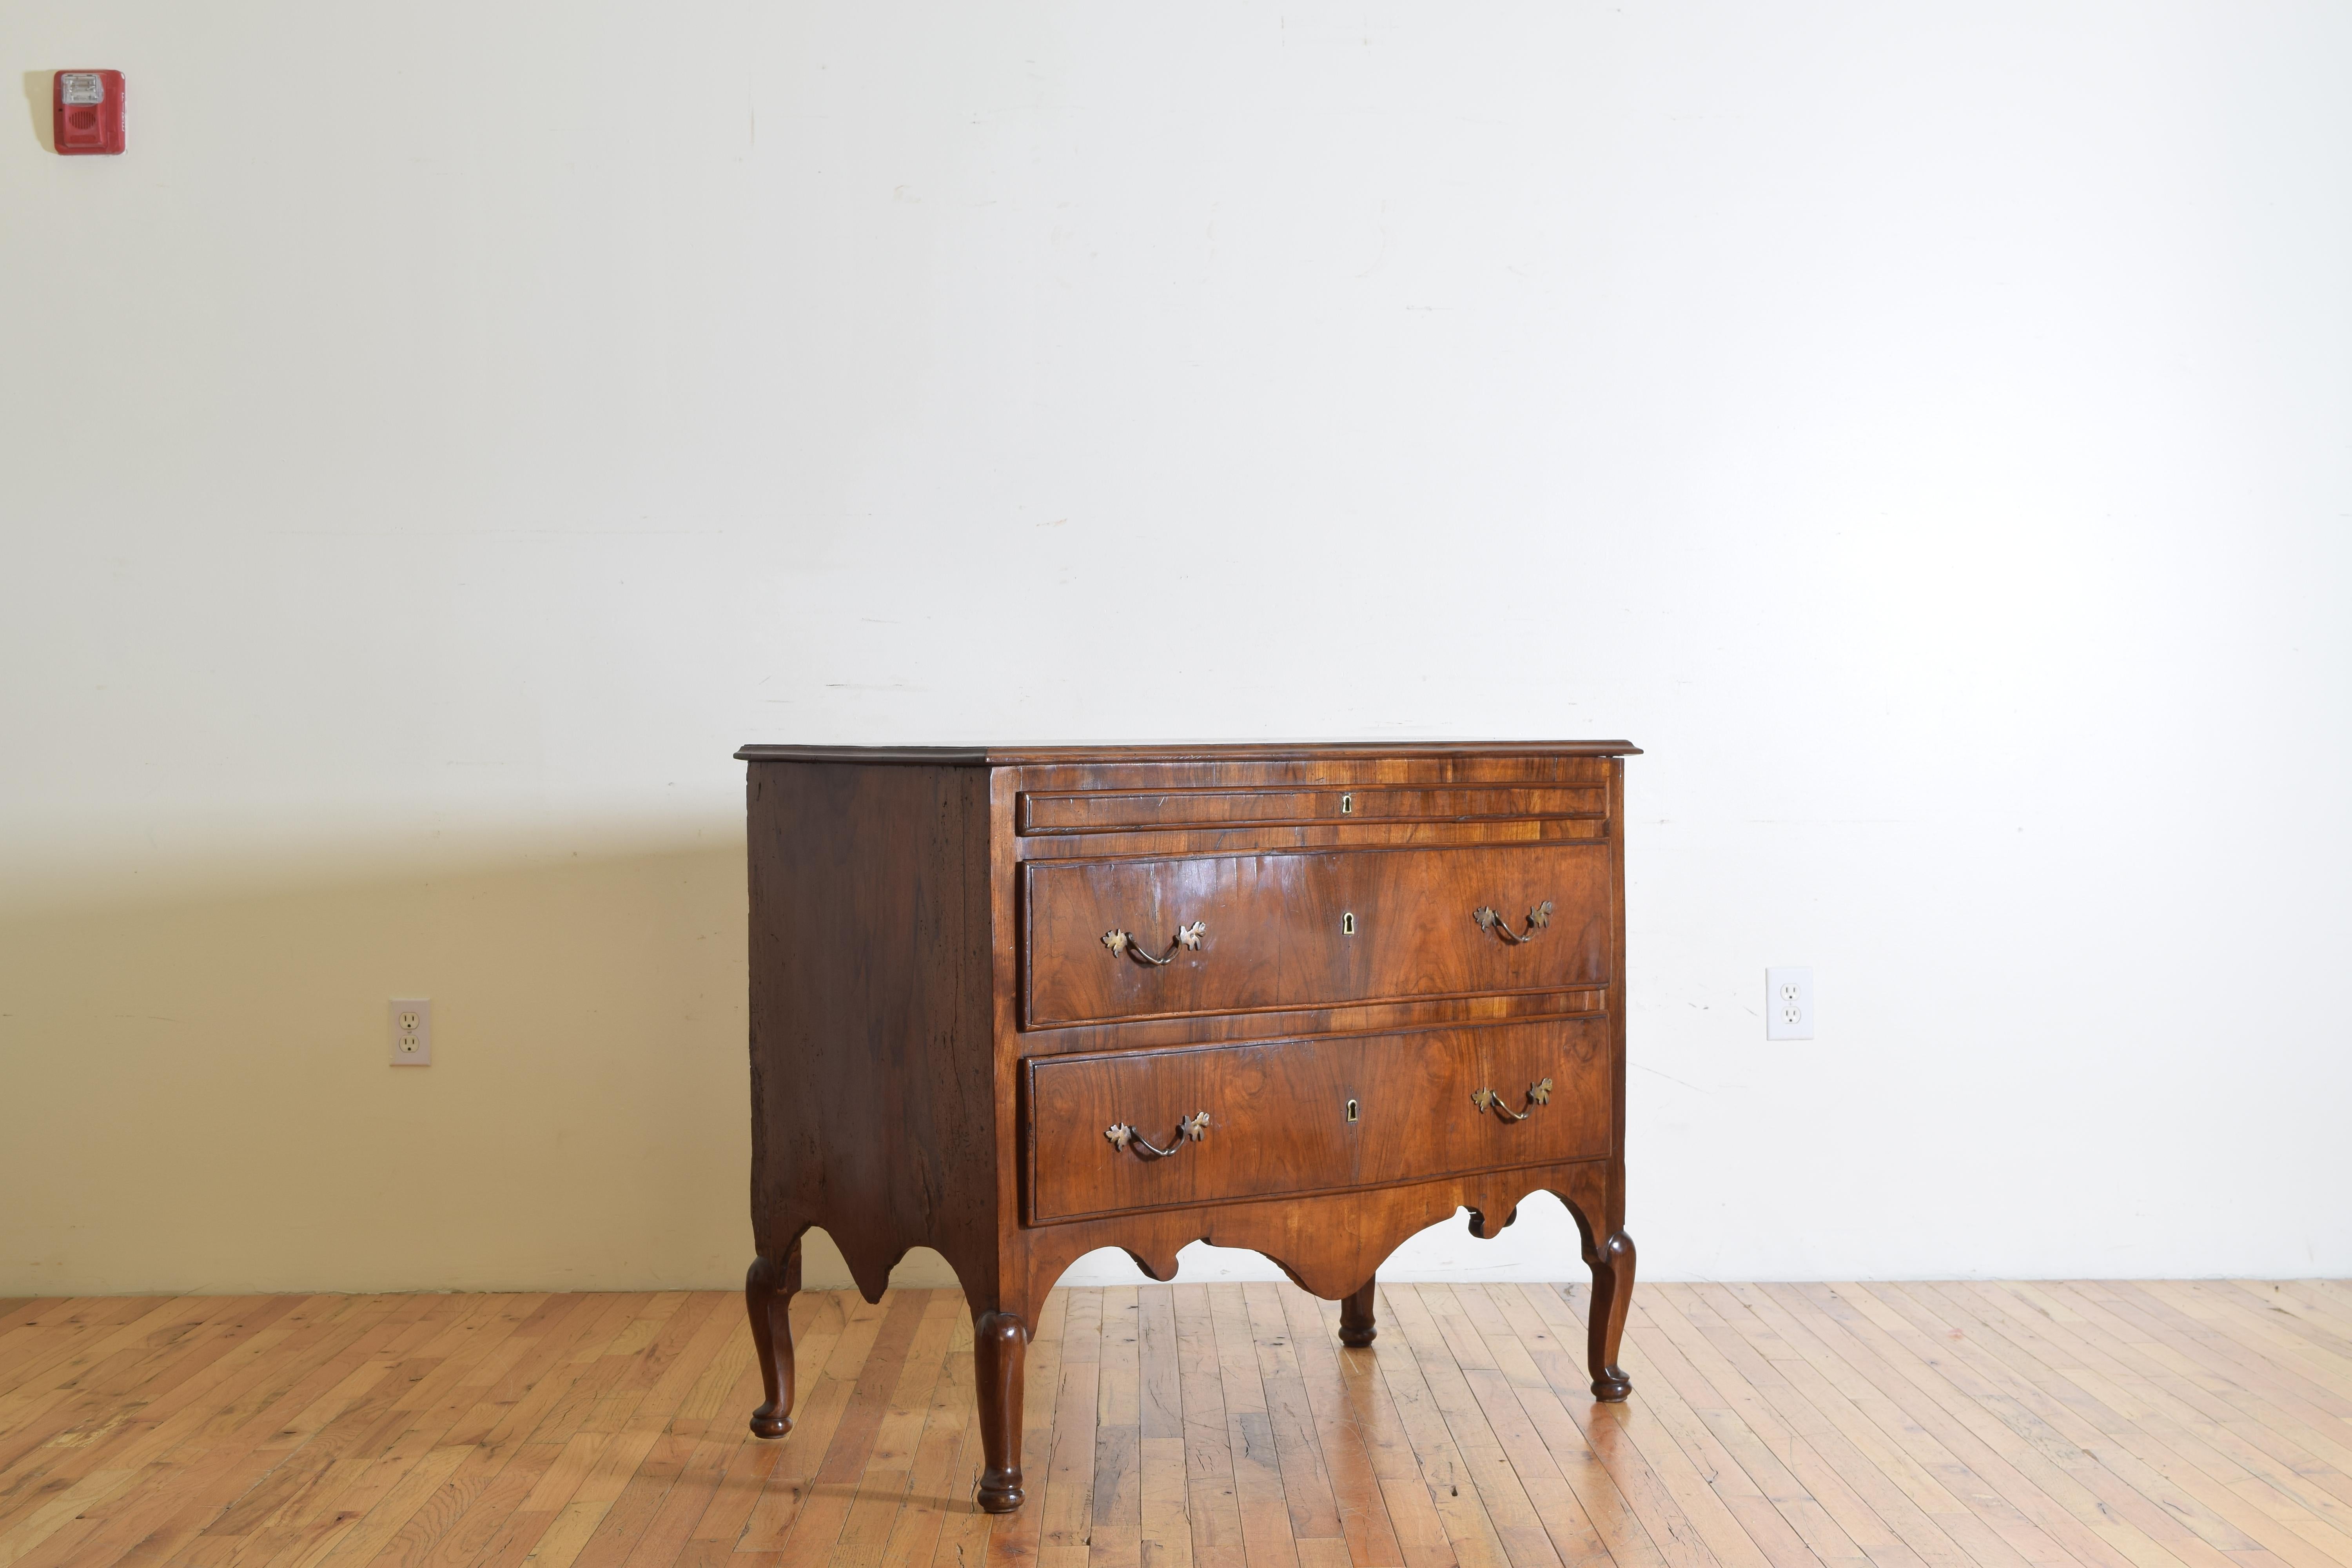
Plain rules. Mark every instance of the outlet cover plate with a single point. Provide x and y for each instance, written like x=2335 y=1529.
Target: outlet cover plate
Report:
x=410 y=1020
x=1788 y=1003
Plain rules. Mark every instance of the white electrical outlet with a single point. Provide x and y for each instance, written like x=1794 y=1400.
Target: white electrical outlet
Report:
x=411 y=1032
x=1788 y=1003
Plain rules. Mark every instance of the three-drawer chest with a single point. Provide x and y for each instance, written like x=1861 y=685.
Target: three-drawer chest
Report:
x=1017 y=1004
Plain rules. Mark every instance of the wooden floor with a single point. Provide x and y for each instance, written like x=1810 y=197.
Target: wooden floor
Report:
x=2111 y=1426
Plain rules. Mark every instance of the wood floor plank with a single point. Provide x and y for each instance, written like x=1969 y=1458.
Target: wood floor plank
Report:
x=190 y=1477
x=885 y=1480
x=1370 y=1416
x=2046 y=1514
x=933 y=1493
x=2249 y=1384
x=501 y=1527
x=1355 y=1481
x=1114 y=1537
x=2124 y=1486
x=442 y=1408
x=617 y=1507
x=1965 y=1507
x=1065 y=1499
x=1559 y=1512
x=218 y=1449
x=326 y=1447
x=33 y=1339
x=1738 y=1363
x=1305 y=1478
x=1212 y=1494
x=1642 y=1493
x=139 y=1375
x=25 y=1536
x=1470 y=1530
x=2313 y=1319
x=732 y=1378
x=17 y=1311
x=2304 y=1298
x=1846 y=1462
x=2322 y=1356
x=1649 y=1478
x=78 y=1392
x=2235 y=1508
x=1267 y=1538
x=1165 y=1539
x=2279 y=1451
x=2247 y=1340
x=1727 y=1481
x=244 y=1453
x=825 y=1382
x=76 y=1341
x=833 y=1487
x=1837 y=1399
x=1981 y=1425
x=102 y=1428
x=749 y=1464
x=631 y=1513
x=2244 y=1422
x=492 y=1396
x=596 y=1370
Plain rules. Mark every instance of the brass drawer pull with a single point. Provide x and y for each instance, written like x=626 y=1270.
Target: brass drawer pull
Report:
x=1487 y=1100
x=1191 y=1129
x=1119 y=942
x=1538 y=918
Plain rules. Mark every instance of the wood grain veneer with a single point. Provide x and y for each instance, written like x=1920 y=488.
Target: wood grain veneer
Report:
x=1016 y=1003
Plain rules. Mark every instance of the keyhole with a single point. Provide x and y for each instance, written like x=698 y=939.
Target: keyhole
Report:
x=1347 y=805
x=1348 y=925
x=1352 y=1110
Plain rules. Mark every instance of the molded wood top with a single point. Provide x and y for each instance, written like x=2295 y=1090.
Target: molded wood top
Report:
x=1239 y=752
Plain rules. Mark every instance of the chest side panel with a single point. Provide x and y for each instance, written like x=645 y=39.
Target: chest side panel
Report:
x=873 y=1094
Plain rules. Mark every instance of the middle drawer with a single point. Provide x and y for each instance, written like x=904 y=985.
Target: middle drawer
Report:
x=1310 y=1115
x=1109 y=940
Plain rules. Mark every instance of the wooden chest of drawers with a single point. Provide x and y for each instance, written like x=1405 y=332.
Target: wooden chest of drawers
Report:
x=1019 y=1004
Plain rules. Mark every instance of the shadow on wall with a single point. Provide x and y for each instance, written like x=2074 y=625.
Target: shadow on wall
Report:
x=40 y=87
x=199 y=1096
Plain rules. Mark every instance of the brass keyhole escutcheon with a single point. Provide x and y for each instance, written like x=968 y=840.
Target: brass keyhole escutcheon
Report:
x=1347 y=805
x=1352 y=1110
x=1348 y=925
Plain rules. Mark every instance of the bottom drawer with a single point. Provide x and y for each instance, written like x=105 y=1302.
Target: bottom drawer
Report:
x=1297 y=1116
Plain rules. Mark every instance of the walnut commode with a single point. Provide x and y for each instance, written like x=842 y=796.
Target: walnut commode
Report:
x=1016 y=1003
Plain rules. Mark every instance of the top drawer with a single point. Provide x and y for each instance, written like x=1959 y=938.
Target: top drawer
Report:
x=1238 y=933
x=1125 y=811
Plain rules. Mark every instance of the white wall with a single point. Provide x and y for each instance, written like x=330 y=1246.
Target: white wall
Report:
x=453 y=427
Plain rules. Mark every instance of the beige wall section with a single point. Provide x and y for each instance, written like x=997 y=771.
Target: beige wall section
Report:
x=1921 y=426
x=198 y=1098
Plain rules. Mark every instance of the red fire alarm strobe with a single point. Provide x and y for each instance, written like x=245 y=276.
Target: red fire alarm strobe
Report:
x=88 y=106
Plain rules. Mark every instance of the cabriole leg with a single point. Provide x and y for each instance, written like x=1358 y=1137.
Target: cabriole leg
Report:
x=1613 y=1293
x=998 y=1342
x=768 y=1291
x=1356 y=1326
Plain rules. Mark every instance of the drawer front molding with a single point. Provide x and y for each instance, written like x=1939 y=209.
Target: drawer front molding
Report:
x=1310 y=930
x=1125 y=811
x=1274 y=1118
